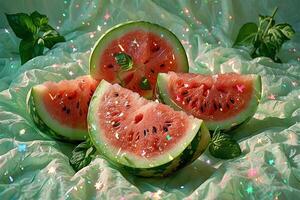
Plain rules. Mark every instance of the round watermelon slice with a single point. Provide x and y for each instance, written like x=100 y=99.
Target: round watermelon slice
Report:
x=144 y=137
x=133 y=53
x=60 y=109
x=222 y=101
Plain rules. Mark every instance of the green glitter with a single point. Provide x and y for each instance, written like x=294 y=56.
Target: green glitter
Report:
x=168 y=137
x=271 y=162
x=249 y=189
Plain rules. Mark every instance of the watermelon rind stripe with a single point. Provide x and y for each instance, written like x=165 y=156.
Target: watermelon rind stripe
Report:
x=45 y=123
x=164 y=96
x=186 y=150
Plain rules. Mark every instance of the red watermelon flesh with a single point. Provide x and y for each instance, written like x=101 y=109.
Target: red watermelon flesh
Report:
x=67 y=101
x=222 y=100
x=153 y=49
x=136 y=125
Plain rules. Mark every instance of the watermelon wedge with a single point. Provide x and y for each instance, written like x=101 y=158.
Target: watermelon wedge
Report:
x=222 y=101
x=60 y=109
x=147 y=49
x=143 y=137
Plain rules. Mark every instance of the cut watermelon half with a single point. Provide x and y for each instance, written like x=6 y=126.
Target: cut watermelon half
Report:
x=144 y=137
x=60 y=109
x=222 y=101
x=152 y=48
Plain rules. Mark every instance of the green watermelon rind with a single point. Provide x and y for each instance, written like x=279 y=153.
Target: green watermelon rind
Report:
x=164 y=96
x=45 y=123
x=123 y=28
x=187 y=150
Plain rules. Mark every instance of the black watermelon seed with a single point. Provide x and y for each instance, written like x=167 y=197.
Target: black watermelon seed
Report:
x=146 y=61
x=110 y=66
x=188 y=99
x=116 y=94
x=165 y=128
x=215 y=106
x=145 y=133
x=185 y=92
x=232 y=100
x=64 y=108
x=116 y=124
x=162 y=65
x=154 y=129
x=68 y=111
x=201 y=108
x=227 y=105
x=152 y=70
x=220 y=106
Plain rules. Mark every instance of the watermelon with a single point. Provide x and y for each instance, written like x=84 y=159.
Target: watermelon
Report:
x=150 y=48
x=222 y=101
x=60 y=109
x=141 y=136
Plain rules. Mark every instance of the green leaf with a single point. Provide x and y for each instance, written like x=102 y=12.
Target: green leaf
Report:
x=26 y=49
x=46 y=27
x=52 y=37
x=82 y=155
x=22 y=25
x=30 y=48
x=223 y=146
x=286 y=29
x=39 y=19
x=145 y=84
x=124 y=60
x=246 y=34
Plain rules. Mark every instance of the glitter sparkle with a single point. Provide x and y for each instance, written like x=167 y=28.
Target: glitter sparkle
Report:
x=240 y=88
x=22 y=132
x=271 y=97
x=168 y=137
x=98 y=185
x=51 y=170
x=22 y=147
x=249 y=189
x=271 y=162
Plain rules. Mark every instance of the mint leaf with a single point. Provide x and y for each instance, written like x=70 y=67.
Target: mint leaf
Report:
x=145 y=84
x=52 y=37
x=30 y=48
x=286 y=29
x=246 y=35
x=124 y=61
x=26 y=50
x=224 y=146
x=82 y=155
x=39 y=19
x=46 y=27
x=22 y=25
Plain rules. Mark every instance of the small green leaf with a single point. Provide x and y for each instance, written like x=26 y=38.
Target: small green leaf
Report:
x=286 y=29
x=46 y=27
x=124 y=60
x=22 y=25
x=145 y=84
x=38 y=47
x=52 y=37
x=26 y=49
x=223 y=146
x=82 y=155
x=30 y=48
x=39 y=19
x=246 y=34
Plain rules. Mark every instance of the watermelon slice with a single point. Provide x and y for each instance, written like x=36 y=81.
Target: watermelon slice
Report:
x=222 y=101
x=150 y=48
x=60 y=109
x=144 y=137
